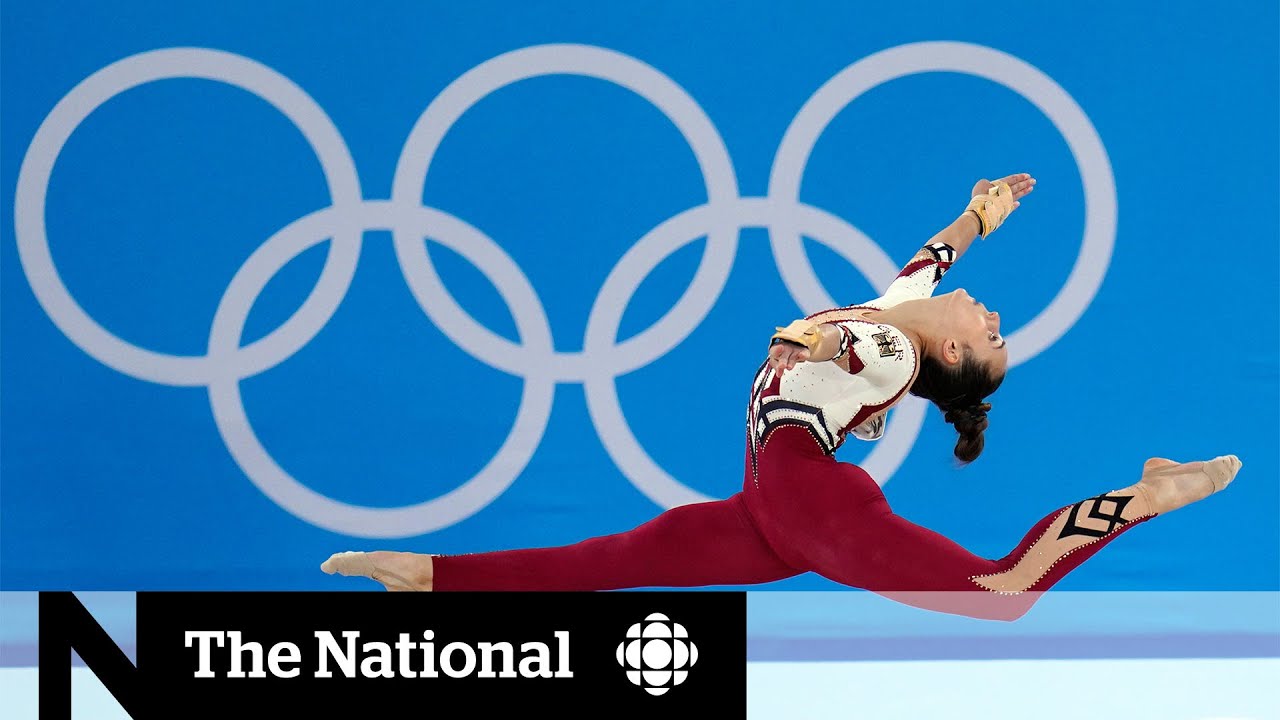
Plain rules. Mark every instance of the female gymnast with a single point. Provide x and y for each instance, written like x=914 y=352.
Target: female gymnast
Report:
x=800 y=510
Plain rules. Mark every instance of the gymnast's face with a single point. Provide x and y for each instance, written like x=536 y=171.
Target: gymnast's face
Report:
x=968 y=323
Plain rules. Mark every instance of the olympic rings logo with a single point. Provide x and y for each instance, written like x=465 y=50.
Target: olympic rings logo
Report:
x=534 y=358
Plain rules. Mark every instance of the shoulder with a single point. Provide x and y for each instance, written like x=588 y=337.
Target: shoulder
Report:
x=882 y=355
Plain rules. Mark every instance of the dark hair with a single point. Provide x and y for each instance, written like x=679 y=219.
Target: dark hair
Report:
x=959 y=391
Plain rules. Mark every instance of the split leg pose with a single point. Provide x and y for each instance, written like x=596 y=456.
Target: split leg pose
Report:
x=800 y=510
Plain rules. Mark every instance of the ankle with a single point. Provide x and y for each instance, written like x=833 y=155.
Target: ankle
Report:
x=1144 y=501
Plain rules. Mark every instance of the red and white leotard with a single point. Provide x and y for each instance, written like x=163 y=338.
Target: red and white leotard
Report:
x=874 y=368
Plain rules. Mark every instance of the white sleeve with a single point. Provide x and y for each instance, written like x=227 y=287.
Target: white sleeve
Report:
x=882 y=365
x=921 y=275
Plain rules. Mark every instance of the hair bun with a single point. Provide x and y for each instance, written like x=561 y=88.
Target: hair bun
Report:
x=970 y=420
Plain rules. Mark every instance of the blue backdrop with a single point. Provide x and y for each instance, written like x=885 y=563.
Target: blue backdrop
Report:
x=200 y=390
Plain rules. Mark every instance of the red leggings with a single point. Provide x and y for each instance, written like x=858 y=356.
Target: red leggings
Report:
x=805 y=512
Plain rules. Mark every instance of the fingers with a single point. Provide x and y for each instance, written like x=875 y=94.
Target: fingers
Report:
x=783 y=358
x=776 y=360
x=1023 y=187
x=1020 y=183
x=778 y=366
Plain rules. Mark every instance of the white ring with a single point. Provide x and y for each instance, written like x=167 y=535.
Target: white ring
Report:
x=322 y=511
x=1011 y=72
x=474 y=85
x=37 y=167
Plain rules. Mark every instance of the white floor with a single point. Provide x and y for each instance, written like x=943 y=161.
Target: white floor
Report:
x=918 y=690
x=1207 y=689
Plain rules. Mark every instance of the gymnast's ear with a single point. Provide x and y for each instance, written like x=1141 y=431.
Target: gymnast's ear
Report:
x=952 y=352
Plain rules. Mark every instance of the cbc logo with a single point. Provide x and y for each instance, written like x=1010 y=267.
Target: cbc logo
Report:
x=657 y=654
x=230 y=360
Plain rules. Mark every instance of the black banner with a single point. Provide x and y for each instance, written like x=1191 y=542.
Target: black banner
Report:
x=680 y=654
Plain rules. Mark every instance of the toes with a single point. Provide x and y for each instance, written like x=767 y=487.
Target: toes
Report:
x=1228 y=465
x=1228 y=462
x=330 y=566
x=1221 y=470
x=343 y=563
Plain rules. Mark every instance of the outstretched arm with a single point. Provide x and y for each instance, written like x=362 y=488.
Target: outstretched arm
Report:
x=961 y=232
x=986 y=211
x=989 y=206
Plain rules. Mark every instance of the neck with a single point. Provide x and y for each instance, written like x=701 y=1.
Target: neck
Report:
x=917 y=319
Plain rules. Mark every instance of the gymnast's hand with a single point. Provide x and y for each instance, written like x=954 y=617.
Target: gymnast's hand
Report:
x=1020 y=183
x=783 y=356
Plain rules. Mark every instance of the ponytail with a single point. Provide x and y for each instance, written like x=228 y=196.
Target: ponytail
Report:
x=959 y=391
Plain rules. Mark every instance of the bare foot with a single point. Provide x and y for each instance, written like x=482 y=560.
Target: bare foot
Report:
x=1170 y=485
x=397 y=571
